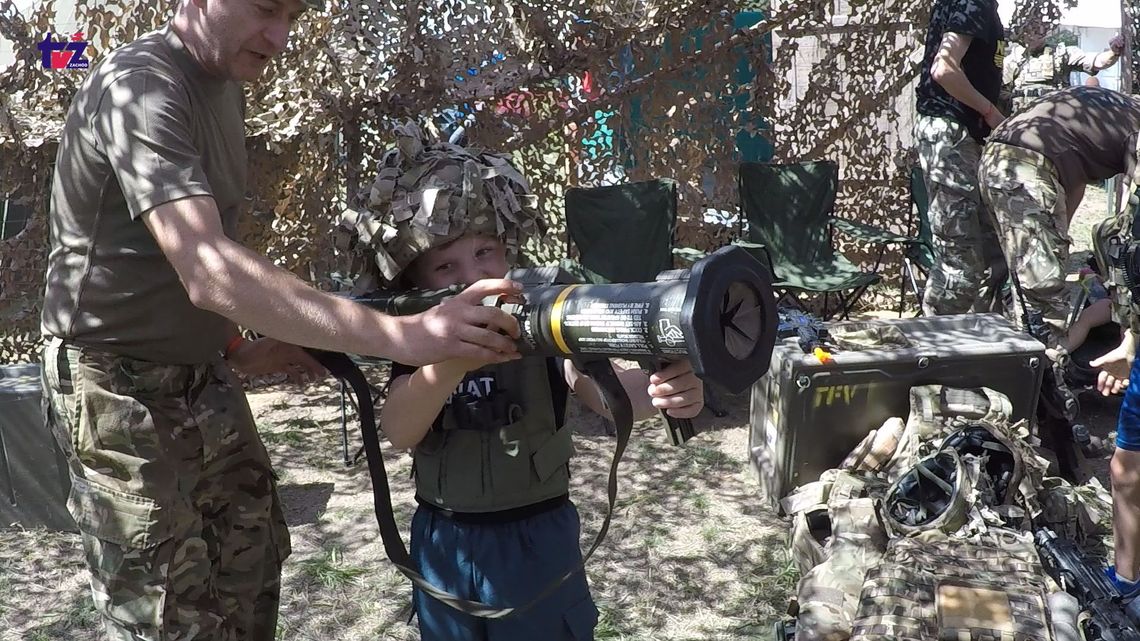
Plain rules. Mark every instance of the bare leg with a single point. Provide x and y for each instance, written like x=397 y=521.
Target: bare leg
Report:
x=1125 y=470
x=1092 y=316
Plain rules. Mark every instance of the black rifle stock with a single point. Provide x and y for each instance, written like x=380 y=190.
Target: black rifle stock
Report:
x=1064 y=561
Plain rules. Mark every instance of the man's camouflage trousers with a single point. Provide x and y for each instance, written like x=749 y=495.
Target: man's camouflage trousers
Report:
x=1021 y=191
x=969 y=270
x=1027 y=204
x=173 y=493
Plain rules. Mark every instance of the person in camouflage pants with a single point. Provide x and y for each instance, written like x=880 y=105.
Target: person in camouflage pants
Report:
x=970 y=271
x=146 y=287
x=1033 y=176
x=173 y=494
x=1027 y=202
x=960 y=81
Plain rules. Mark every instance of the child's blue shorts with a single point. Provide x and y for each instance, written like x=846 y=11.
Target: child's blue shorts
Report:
x=1128 y=425
x=503 y=564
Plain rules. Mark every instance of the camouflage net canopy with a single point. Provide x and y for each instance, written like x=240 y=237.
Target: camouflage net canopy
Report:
x=584 y=92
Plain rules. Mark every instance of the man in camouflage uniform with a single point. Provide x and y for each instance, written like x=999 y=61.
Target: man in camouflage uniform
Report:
x=961 y=78
x=172 y=489
x=1033 y=68
x=1033 y=175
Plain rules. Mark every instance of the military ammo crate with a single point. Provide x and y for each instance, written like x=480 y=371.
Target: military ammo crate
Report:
x=33 y=473
x=806 y=416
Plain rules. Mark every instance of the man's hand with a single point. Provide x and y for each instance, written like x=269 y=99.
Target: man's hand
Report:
x=270 y=356
x=1115 y=367
x=1116 y=45
x=677 y=390
x=461 y=328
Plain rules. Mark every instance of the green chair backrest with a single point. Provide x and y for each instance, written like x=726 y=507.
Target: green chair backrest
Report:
x=924 y=253
x=787 y=208
x=624 y=233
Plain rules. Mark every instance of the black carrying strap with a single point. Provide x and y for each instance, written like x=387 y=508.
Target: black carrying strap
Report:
x=601 y=371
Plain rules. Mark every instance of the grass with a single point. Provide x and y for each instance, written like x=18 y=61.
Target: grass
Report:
x=330 y=571
x=302 y=423
x=777 y=577
x=79 y=615
x=287 y=437
x=710 y=458
x=607 y=628
x=711 y=532
x=700 y=503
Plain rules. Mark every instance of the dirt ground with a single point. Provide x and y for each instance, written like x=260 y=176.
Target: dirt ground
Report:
x=693 y=552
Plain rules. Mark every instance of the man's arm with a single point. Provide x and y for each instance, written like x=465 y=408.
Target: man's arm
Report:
x=946 y=70
x=1077 y=59
x=228 y=279
x=1109 y=56
x=1105 y=59
x=1116 y=366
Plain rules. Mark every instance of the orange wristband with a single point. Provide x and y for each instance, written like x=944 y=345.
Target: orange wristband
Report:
x=234 y=343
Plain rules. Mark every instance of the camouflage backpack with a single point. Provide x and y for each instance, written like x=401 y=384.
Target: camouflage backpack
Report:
x=1110 y=238
x=834 y=542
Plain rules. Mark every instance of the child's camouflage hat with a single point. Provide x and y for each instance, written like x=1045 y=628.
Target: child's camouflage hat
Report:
x=426 y=195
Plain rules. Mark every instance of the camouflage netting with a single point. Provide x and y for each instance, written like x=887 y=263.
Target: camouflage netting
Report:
x=581 y=93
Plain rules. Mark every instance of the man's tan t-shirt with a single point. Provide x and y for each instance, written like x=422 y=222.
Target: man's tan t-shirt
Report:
x=147 y=127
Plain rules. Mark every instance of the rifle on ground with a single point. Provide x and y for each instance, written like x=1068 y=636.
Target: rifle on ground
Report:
x=1107 y=620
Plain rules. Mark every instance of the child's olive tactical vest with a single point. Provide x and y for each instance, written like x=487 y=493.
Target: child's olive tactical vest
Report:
x=502 y=451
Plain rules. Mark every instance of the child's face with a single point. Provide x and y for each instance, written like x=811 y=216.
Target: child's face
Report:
x=461 y=262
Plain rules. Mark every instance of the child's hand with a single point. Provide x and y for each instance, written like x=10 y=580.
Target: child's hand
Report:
x=677 y=390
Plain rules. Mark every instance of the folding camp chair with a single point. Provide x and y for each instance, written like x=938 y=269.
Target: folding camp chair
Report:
x=623 y=234
x=788 y=213
x=917 y=249
x=918 y=254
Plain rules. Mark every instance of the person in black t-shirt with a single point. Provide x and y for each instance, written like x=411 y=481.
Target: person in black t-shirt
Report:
x=961 y=78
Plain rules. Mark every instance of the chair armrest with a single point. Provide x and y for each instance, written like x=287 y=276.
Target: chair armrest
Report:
x=689 y=254
x=869 y=233
x=748 y=244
